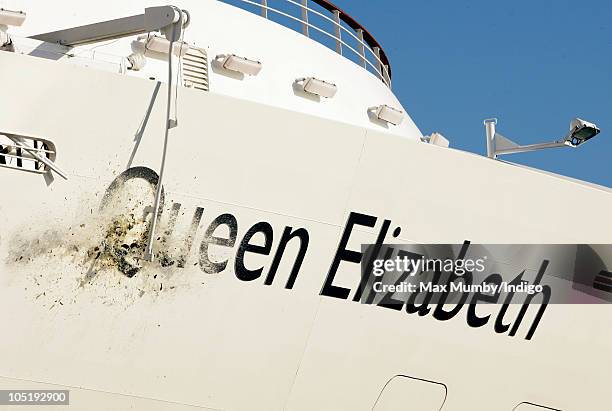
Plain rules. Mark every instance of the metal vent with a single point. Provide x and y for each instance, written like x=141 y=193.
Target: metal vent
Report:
x=195 y=69
x=19 y=154
x=603 y=281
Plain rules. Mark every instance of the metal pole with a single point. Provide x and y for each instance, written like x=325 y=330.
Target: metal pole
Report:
x=386 y=75
x=531 y=147
x=378 y=63
x=490 y=124
x=154 y=18
x=305 y=18
x=264 y=10
x=338 y=32
x=175 y=30
x=361 y=48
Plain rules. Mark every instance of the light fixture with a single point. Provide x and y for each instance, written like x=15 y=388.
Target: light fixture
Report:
x=161 y=45
x=318 y=87
x=389 y=114
x=9 y=18
x=580 y=132
x=12 y=18
x=437 y=139
x=239 y=64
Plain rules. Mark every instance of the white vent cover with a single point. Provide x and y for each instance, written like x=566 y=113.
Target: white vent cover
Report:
x=195 y=69
x=14 y=156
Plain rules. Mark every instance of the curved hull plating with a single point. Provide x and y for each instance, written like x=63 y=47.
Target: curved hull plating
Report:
x=219 y=324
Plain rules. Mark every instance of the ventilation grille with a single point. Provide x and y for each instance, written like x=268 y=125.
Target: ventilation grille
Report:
x=195 y=69
x=603 y=281
x=18 y=157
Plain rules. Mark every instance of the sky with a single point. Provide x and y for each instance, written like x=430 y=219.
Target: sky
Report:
x=534 y=65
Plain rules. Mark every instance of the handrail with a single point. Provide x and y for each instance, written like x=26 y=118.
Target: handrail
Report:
x=352 y=23
x=380 y=64
x=338 y=36
x=308 y=25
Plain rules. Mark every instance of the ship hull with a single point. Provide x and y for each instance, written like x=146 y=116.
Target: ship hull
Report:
x=189 y=331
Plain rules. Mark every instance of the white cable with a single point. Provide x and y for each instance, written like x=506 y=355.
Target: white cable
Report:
x=179 y=72
x=169 y=124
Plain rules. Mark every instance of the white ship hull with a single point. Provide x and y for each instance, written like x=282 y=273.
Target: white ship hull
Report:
x=198 y=336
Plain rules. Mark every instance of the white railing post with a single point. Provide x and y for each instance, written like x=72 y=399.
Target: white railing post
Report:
x=386 y=75
x=378 y=63
x=361 y=48
x=338 y=32
x=379 y=67
x=305 y=18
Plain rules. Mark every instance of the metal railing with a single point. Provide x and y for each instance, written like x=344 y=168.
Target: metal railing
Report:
x=368 y=52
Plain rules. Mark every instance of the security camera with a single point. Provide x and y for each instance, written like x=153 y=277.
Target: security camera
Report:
x=580 y=132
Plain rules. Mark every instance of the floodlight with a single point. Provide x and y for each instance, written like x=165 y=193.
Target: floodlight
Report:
x=239 y=64
x=438 y=139
x=162 y=45
x=389 y=114
x=580 y=132
x=318 y=87
x=12 y=18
